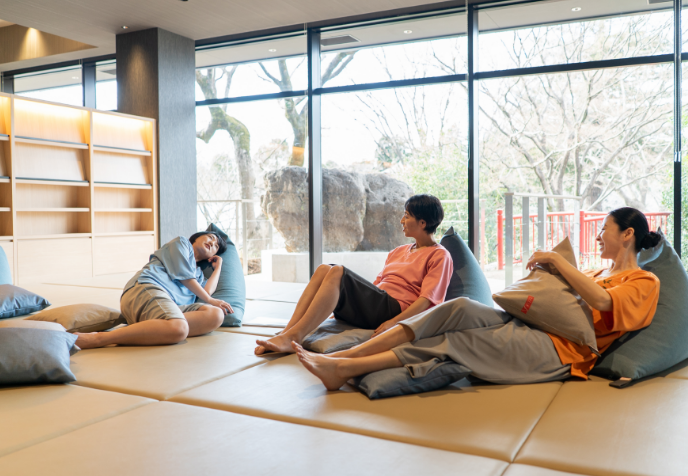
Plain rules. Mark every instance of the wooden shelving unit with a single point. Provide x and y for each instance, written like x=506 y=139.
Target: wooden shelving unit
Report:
x=78 y=193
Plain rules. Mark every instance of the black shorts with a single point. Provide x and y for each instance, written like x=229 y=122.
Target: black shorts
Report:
x=362 y=304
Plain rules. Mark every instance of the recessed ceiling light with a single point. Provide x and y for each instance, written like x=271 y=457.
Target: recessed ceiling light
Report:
x=125 y=27
x=408 y=32
x=272 y=50
x=576 y=9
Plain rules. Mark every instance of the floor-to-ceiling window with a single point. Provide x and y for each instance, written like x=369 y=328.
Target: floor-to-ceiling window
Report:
x=61 y=85
x=580 y=141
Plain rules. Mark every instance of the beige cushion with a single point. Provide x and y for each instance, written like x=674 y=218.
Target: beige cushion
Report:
x=524 y=470
x=21 y=323
x=82 y=317
x=545 y=300
x=491 y=421
x=592 y=428
x=169 y=439
x=162 y=371
x=30 y=415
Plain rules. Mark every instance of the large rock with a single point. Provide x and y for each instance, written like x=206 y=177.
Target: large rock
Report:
x=360 y=212
x=385 y=199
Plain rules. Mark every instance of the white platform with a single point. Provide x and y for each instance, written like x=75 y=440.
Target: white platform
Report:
x=293 y=267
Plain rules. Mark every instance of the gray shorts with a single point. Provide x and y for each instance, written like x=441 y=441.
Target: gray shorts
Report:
x=144 y=302
x=496 y=346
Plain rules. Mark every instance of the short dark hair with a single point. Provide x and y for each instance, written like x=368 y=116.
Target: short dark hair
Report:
x=221 y=243
x=428 y=208
x=627 y=217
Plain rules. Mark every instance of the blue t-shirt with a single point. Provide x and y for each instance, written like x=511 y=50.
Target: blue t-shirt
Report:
x=172 y=263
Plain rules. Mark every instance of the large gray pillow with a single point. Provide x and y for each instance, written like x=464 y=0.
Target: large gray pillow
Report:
x=546 y=301
x=334 y=335
x=35 y=356
x=398 y=381
x=664 y=342
x=467 y=280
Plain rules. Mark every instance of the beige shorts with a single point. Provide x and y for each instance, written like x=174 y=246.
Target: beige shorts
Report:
x=144 y=302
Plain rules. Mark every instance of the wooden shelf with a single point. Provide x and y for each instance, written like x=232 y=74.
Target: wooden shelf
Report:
x=125 y=233
x=56 y=236
x=120 y=150
x=124 y=210
x=53 y=210
x=51 y=143
x=4 y=179
x=5 y=209
x=4 y=137
x=5 y=238
x=43 y=181
x=145 y=186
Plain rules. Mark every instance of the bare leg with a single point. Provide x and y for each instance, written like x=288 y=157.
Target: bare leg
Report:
x=335 y=372
x=206 y=319
x=153 y=332
x=389 y=339
x=321 y=306
x=304 y=301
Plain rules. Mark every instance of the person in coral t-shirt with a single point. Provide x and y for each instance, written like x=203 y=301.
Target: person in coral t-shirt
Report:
x=415 y=278
x=500 y=348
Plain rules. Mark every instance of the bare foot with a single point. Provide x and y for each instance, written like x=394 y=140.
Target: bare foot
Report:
x=90 y=340
x=280 y=343
x=325 y=368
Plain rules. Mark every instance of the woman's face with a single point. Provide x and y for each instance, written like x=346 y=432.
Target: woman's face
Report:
x=611 y=239
x=411 y=226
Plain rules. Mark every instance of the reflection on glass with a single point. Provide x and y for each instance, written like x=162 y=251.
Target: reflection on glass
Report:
x=421 y=48
x=379 y=148
x=549 y=33
x=247 y=185
x=604 y=136
x=260 y=67
x=59 y=85
x=106 y=86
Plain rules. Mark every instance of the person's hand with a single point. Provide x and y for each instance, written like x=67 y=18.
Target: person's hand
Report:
x=215 y=262
x=383 y=327
x=542 y=257
x=222 y=305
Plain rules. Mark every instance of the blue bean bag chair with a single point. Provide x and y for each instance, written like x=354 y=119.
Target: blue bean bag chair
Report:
x=231 y=286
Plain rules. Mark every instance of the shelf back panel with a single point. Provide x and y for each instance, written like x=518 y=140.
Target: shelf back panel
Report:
x=45 y=162
x=120 y=168
x=124 y=132
x=50 y=122
x=8 y=248
x=52 y=223
x=122 y=198
x=5 y=159
x=117 y=222
x=121 y=254
x=51 y=196
x=4 y=115
x=58 y=258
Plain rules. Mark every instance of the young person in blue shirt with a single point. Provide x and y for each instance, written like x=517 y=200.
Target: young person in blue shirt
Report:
x=159 y=301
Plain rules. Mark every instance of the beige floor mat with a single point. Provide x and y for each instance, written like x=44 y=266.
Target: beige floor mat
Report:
x=596 y=429
x=253 y=330
x=32 y=414
x=163 y=371
x=524 y=470
x=491 y=421
x=171 y=439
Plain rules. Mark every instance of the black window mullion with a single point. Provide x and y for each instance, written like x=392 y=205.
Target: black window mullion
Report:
x=315 y=218
x=678 y=45
x=473 y=135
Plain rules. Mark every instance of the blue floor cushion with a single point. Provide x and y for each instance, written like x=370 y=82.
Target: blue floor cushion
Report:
x=664 y=342
x=16 y=301
x=468 y=280
x=231 y=287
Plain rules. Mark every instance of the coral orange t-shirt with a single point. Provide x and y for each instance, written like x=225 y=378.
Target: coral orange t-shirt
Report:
x=634 y=301
x=408 y=276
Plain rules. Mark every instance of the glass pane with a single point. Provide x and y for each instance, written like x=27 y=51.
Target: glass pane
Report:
x=410 y=49
x=602 y=135
x=260 y=67
x=572 y=31
x=379 y=148
x=252 y=182
x=106 y=86
x=63 y=85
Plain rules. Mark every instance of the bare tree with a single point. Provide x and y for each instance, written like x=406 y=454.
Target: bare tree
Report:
x=295 y=109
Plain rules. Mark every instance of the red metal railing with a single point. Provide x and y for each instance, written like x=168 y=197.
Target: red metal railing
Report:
x=558 y=226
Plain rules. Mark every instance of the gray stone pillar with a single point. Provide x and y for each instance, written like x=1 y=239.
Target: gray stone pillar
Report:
x=156 y=78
